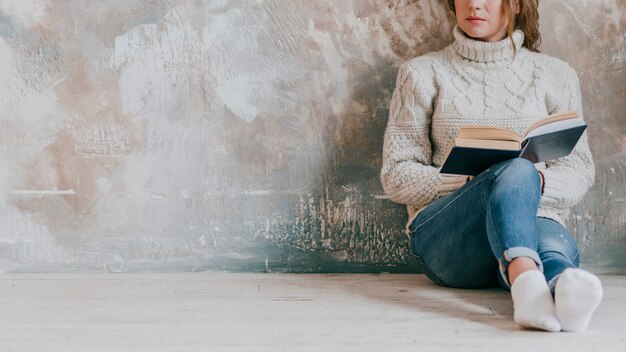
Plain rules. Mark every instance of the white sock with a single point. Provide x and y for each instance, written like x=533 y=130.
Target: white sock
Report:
x=532 y=302
x=577 y=294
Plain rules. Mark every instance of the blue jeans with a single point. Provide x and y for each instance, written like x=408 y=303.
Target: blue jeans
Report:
x=468 y=238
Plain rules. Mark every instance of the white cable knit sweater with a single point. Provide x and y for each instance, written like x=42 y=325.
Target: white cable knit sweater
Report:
x=482 y=83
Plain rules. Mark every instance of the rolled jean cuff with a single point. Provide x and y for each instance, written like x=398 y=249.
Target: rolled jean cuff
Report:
x=516 y=252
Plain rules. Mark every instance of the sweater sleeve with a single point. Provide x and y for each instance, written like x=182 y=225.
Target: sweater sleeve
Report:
x=567 y=179
x=407 y=173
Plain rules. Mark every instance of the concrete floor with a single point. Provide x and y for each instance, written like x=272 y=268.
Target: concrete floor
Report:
x=278 y=312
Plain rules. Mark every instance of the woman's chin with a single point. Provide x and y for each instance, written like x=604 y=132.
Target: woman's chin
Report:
x=474 y=34
x=480 y=33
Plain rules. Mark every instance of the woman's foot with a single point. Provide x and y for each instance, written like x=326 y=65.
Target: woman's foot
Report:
x=532 y=302
x=577 y=294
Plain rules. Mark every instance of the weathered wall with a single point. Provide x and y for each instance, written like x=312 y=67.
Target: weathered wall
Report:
x=245 y=134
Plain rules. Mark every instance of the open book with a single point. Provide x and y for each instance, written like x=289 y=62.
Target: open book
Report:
x=478 y=147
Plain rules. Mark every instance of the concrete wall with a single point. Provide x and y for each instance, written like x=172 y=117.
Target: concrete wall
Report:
x=246 y=134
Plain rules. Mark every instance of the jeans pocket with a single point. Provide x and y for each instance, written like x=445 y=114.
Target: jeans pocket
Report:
x=426 y=271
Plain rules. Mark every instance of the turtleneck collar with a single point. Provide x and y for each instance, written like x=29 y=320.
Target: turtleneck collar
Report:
x=477 y=50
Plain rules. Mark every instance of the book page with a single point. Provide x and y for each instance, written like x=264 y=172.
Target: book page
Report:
x=564 y=115
x=556 y=126
x=488 y=132
x=487 y=143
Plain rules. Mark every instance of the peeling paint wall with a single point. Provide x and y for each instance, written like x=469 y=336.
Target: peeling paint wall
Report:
x=245 y=134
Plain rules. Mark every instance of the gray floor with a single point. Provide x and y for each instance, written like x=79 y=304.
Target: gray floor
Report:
x=278 y=312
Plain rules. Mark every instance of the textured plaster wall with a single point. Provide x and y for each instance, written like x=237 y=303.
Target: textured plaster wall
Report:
x=246 y=134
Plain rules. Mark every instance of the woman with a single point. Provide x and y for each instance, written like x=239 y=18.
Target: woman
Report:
x=506 y=224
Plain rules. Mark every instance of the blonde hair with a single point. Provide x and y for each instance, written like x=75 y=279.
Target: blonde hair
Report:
x=526 y=19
